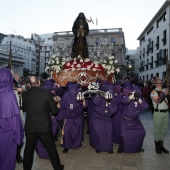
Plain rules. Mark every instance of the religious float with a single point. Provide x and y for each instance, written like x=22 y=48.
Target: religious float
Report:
x=81 y=71
x=80 y=68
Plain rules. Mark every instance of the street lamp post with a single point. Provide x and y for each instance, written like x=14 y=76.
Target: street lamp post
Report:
x=10 y=57
x=127 y=64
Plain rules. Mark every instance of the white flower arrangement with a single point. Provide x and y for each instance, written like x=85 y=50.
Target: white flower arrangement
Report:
x=108 y=65
x=56 y=63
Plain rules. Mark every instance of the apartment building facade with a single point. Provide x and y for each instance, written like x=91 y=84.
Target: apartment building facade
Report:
x=154 y=48
x=22 y=51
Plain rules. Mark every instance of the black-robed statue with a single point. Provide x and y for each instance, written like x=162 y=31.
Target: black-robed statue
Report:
x=80 y=29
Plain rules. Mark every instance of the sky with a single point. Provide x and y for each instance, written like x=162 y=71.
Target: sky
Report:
x=23 y=17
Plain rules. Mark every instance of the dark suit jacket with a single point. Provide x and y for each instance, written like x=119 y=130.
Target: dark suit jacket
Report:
x=38 y=103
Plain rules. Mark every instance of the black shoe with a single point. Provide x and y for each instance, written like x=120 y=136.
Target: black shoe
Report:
x=97 y=151
x=158 y=147
x=119 y=150
x=61 y=167
x=142 y=150
x=162 y=147
x=56 y=139
x=65 y=150
x=18 y=157
x=111 y=152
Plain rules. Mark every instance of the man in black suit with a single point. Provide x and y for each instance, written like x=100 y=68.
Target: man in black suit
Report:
x=38 y=103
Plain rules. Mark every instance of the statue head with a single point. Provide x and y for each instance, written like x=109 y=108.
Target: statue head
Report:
x=81 y=16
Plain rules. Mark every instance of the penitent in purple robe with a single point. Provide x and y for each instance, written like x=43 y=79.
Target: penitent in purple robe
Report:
x=100 y=128
x=132 y=132
x=11 y=127
x=118 y=114
x=72 y=114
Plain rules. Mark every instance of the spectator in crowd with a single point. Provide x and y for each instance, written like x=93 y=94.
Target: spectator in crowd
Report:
x=18 y=89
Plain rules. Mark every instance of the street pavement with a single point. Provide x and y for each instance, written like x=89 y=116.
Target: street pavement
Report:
x=85 y=158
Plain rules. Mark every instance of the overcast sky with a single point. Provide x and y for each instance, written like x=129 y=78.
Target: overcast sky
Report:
x=23 y=17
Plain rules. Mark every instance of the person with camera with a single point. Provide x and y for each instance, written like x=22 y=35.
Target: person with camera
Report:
x=103 y=106
x=132 y=132
x=160 y=116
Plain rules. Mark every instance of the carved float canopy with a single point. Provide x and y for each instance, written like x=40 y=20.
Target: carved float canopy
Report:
x=81 y=77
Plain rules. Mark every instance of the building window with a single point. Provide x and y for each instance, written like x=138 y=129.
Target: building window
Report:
x=160 y=59
x=157 y=60
x=98 y=41
x=151 y=63
x=164 y=37
x=150 y=30
x=143 y=52
x=164 y=16
x=164 y=57
x=142 y=40
x=157 y=42
x=112 y=40
x=149 y=47
x=161 y=18
x=147 y=63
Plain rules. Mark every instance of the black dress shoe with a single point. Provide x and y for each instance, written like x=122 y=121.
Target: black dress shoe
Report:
x=65 y=150
x=142 y=150
x=111 y=152
x=19 y=159
x=119 y=150
x=61 y=167
x=97 y=151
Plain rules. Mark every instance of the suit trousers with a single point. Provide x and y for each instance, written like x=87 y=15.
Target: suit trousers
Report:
x=48 y=140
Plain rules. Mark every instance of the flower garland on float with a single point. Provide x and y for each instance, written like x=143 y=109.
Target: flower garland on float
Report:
x=58 y=63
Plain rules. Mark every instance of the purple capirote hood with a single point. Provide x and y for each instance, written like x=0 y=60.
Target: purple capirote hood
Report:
x=8 y=102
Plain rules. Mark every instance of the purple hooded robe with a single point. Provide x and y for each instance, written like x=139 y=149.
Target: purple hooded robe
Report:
x=117 y=115
x=100 y=129
x=132 y=132
x=71 y=112
x=11 y=126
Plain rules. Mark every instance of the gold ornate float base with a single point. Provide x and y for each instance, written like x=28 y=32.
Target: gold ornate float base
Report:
x=81 y=77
